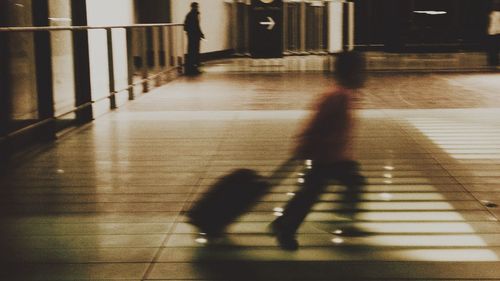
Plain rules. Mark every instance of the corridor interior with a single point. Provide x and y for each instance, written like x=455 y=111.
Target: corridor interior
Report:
x=108 y=201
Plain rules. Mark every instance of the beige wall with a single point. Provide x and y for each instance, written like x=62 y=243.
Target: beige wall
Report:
x=21 y=68
x=62 y=57
x=108 y=12
x=214 y=19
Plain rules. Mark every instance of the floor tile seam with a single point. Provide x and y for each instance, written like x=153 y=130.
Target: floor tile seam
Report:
x=90 y=235
x=167 y=236
x=124 y=184
x=473 y=221
x=192 y=193
x=264 y=236
x=455 y=178
x=277 y=192
x=464 y=210
x=318 y=279
x=104 y=193
x=352 y=244
x=99 y=249
x=368 y=234
x=25 y=157
x=264 y=233
x=83 y=262
x=338 y=222
x=243 y=223
x=418 y=141
x=252 y=233
x=72 y=211
x=283 y=201
x=313 y=246
x=220 y=168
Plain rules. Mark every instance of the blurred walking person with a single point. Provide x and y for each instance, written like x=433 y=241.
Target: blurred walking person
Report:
x=194 y=34
x=325 y=146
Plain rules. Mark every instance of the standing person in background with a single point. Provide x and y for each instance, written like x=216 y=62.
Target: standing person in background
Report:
x=325 y=143
x=494 y=34
x=194 y=34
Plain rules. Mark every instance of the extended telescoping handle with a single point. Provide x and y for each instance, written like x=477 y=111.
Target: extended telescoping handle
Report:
x=279 y=174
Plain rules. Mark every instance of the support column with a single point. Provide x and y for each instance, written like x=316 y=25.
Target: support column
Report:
x=111 y=69
x=81 y=62
x=335 y=26
x=43 y=66
x=4 y=81
x=340 y=26
x=303 y=28
x=350 y=25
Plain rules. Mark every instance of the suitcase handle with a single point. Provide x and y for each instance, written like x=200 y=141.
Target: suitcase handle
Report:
x=277 y=176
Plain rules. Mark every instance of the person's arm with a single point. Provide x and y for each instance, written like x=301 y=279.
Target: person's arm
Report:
x=202 y=35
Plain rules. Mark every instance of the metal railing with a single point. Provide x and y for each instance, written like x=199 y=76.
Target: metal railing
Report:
x=155 y=55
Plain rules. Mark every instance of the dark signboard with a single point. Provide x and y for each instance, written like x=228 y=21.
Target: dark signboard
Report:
x=266 y=29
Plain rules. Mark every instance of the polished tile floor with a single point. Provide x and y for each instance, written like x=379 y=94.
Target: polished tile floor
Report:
x=107 y=202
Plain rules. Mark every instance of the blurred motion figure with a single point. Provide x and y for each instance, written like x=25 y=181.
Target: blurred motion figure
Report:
x=325 y=146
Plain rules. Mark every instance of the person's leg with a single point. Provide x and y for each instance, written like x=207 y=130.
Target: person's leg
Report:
x=348 y=174
x=196 y=53
x=190 y=55
x=496 y=49
x=493 y=46
x=286 y=226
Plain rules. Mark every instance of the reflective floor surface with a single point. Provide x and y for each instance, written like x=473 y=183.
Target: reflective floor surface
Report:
x=107 y=202
x=376 y=61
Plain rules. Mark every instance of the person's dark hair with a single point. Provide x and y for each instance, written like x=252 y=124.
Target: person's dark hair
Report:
x=495 y=5
x=350 y=69
x=194 y=5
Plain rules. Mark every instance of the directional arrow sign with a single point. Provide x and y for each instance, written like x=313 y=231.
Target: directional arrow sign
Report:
x=270 y=23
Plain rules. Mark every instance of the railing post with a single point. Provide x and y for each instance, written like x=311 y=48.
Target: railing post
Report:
x=171 y=32
x=166 y=53
x=161 y=53
x=182 y=54
x=130 y=63
x=183 y=46
x=175 y=46
x=4 y=86
x=144 y=59
x=111 y=69
x=155 y=34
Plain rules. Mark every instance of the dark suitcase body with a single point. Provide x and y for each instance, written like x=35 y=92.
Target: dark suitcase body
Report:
x=227 y=199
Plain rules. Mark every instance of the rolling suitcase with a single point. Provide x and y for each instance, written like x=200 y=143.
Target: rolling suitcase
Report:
x=227 y=199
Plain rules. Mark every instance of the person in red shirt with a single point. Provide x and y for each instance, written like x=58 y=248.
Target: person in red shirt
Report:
x=325 y=144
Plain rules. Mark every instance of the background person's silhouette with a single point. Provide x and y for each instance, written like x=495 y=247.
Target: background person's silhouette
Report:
x=194 y=34
x=325 y=142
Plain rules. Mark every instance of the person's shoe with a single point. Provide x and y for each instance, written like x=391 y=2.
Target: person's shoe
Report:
x=286 y=241
x=192 y=71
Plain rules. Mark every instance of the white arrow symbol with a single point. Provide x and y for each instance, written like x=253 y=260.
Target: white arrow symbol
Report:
x=270 y=23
